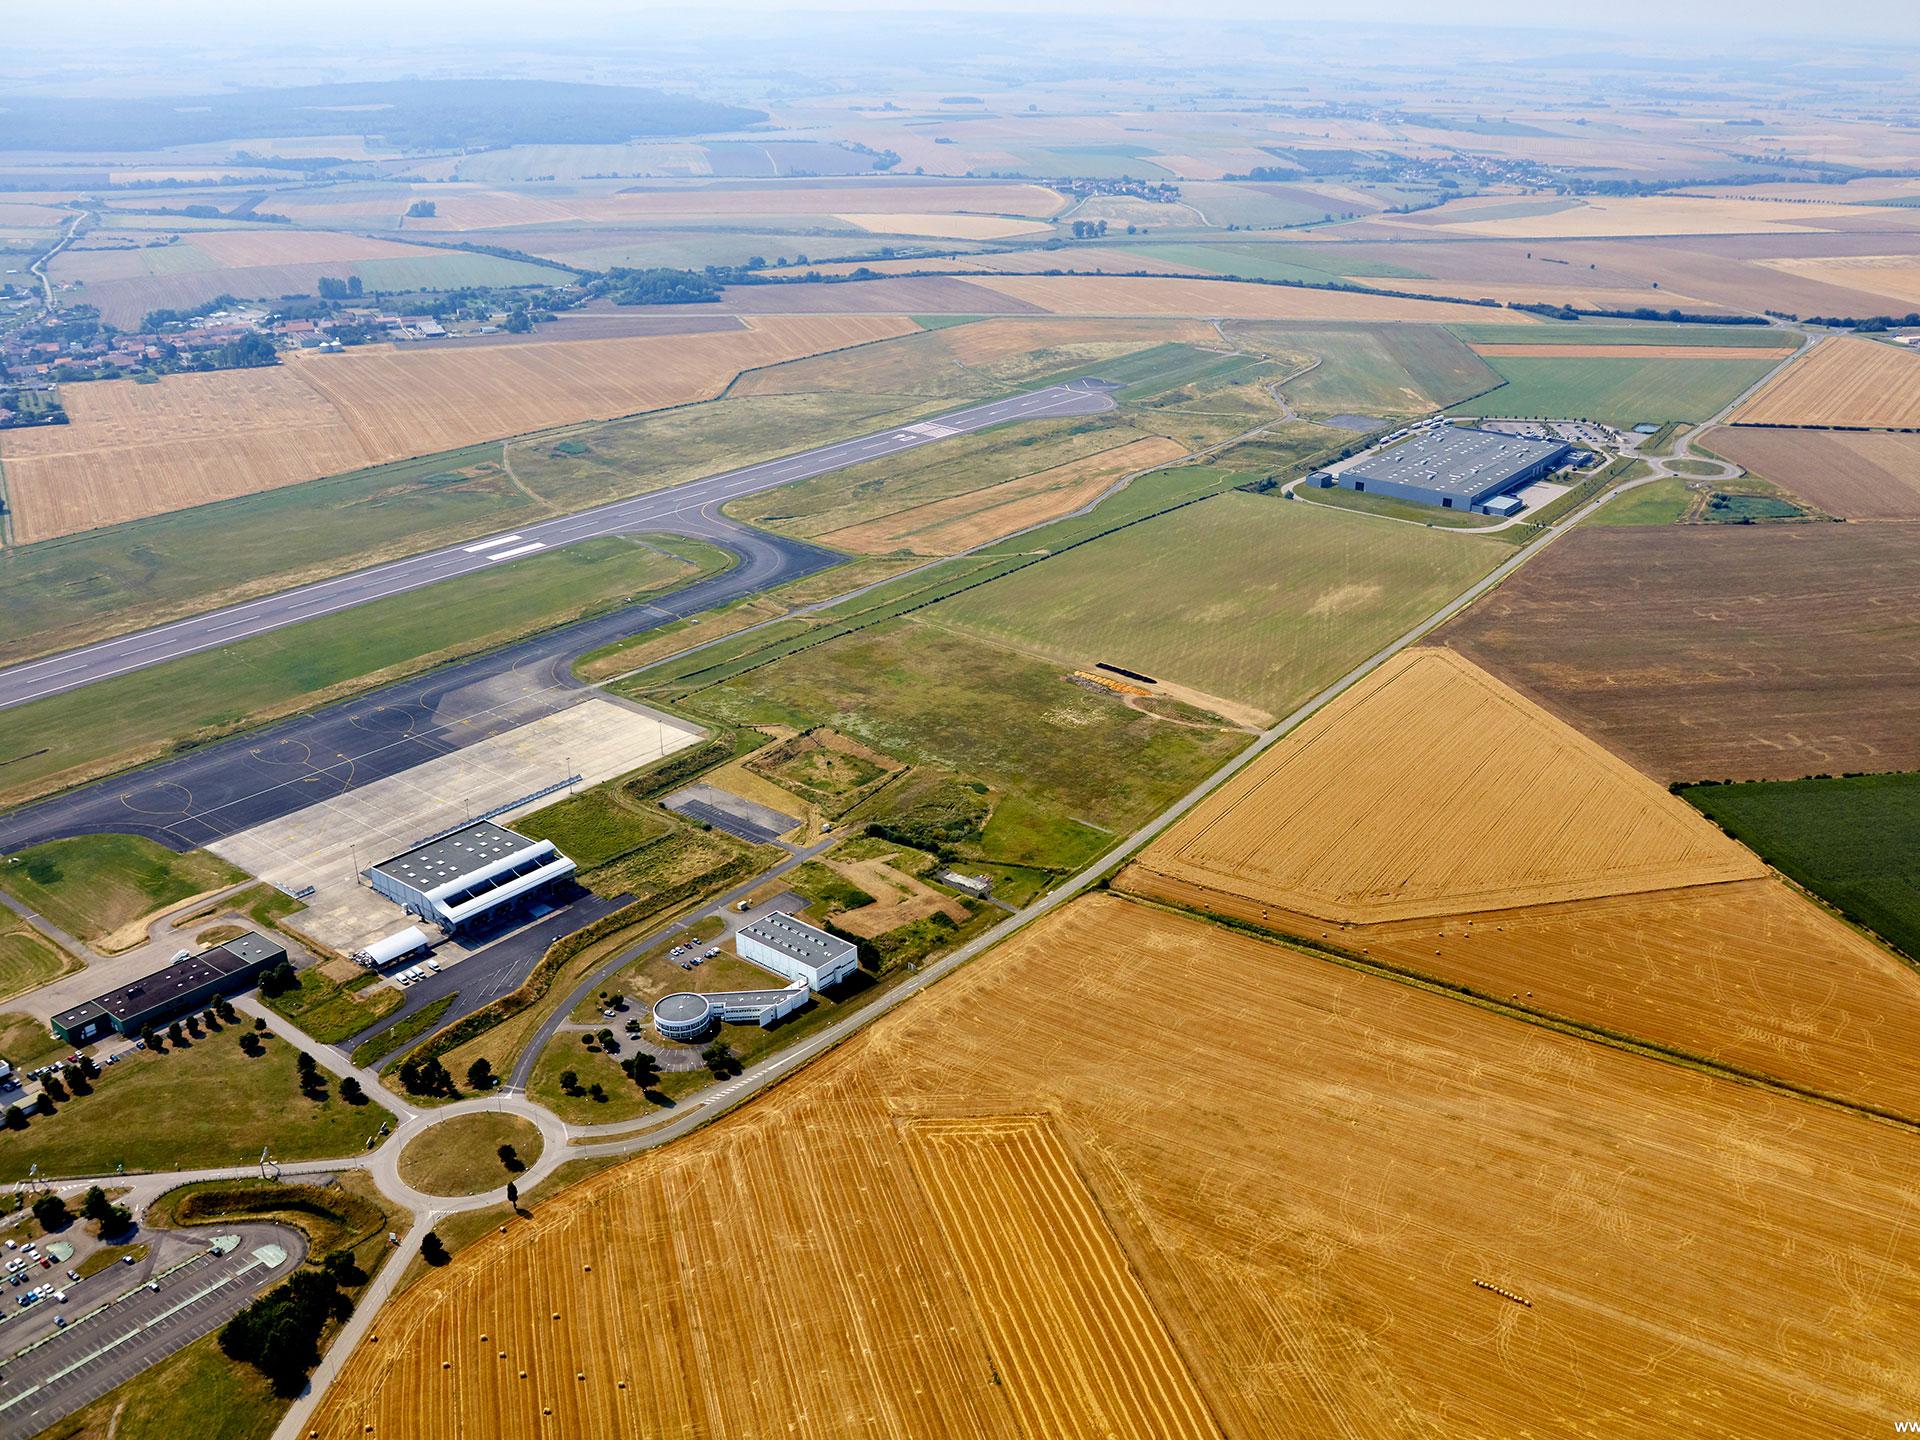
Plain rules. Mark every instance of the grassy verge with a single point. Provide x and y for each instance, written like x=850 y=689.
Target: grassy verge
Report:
x=93 y=886
x=197 y=1390
x=461 y=1156
x=1850 y=840
x=122 y=721
x=1664 y=502
x=332 y=1009
x=402 y=1032
x=1366 y=503
x=107 y=1256
x=27 y=1042
x=202 y=1104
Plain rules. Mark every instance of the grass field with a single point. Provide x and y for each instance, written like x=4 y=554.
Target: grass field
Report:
x=1150 y=1277
x=1127 y=295
x=1664 y=502
x=98 y=887
x=134 y=450
x=122 y=720
x=1465 y=808
x=1616 y=333
x=461 y=1156
x=333 y=1008
x=930 y=696
x=1615 y=391
x=1375 y=369
x=28 y=959
x=201 y=1105
x=1246 y=596
x=1805 y=668
x=1846 y=839
x=1842 y=381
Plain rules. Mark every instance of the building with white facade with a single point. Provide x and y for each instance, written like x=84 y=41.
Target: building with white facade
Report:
x=795 y=950
x=480 y=872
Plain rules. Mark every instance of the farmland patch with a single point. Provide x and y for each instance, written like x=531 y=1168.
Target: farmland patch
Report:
x=1762 y=652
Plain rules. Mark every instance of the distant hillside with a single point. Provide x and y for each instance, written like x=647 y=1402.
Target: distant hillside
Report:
x=413 y=115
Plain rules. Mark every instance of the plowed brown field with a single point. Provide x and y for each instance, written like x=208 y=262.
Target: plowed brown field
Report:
x=135 y=450
x=1859 y=474
x=1433 y=789
x=960 y=522
x=1842 y=381
x=1310 y=1174
x=1136 y=295
x=1713 y=652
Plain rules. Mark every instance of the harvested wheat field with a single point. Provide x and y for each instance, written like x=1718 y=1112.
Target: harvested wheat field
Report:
x=947 y=226
x=974 y=1221
x=960 y=522
x=1633 y=215
x=1231 y=299
x=481 y=208
x=1546 y=292
x=1857 y=474
x=1749 y=975
x=1432 y=789
x=1842 y=381
x=1897 y=277
x=134 y=450
x=1713 y=652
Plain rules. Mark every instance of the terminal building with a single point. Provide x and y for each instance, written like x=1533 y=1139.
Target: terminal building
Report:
x=1453 y=467
x=806 y=958
x=164 y=996
x=479 y=873
x=795 y=950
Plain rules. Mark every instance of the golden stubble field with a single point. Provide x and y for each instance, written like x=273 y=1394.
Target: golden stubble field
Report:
x=1265 y=1200
x=1841 y=381
x=134 y=450
x=1430 y=789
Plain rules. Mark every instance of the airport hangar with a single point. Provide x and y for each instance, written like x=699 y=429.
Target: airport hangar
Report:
x=477 y=873
x=1453 y=467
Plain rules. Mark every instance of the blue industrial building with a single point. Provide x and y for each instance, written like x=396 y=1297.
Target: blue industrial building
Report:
x=1453 y=467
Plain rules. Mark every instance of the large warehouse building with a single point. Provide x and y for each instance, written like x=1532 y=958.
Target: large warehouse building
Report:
x=794 y=949
x=164 y=996
x=480 y=872
x=1453 y=467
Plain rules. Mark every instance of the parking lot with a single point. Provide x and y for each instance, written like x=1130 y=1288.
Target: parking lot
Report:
x=115 y=1329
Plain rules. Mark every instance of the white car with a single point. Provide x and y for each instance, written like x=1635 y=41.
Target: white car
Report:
x=434 y=965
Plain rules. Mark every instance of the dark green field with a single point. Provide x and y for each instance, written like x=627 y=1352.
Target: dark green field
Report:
x=1375 y=369
x=1851 y=841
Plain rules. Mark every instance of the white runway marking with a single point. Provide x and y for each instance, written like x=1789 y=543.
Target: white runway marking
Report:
x=493 y=544
x=518 y=550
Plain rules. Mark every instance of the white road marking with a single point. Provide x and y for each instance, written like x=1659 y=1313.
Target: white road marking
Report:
x=493 y=544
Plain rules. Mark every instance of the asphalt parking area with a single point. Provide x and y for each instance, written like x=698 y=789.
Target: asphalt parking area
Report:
x=101 y=1349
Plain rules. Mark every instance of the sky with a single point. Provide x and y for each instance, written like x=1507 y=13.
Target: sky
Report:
x=1888 y=21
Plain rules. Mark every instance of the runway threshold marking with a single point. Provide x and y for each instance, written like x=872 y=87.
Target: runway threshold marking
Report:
x=518 y=550
x=493 y=544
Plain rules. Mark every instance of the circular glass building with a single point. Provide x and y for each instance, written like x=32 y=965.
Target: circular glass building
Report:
x=683 y=1017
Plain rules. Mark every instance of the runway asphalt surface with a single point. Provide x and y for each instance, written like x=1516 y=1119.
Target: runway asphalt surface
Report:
x=209 y=793
x=668 y=510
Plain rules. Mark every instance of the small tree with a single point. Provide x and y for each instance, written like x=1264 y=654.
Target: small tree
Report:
x=480 y=1074
x=150 y=1038
x=598 y=1092
x=304 y=1063
x=176 y=1034
x=351 y=1092
x=569 y=1082
x=52 y=1213
x=433 y=1249
x=513 y=1195
x=15 y=1118
x=54 y=1089
x=96 y=1205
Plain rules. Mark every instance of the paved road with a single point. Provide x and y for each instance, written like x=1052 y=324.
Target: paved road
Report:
x=671 y=509
x=112 y=1343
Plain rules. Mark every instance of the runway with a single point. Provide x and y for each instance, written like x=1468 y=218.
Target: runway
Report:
x=668 y=509
x=218 y=790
